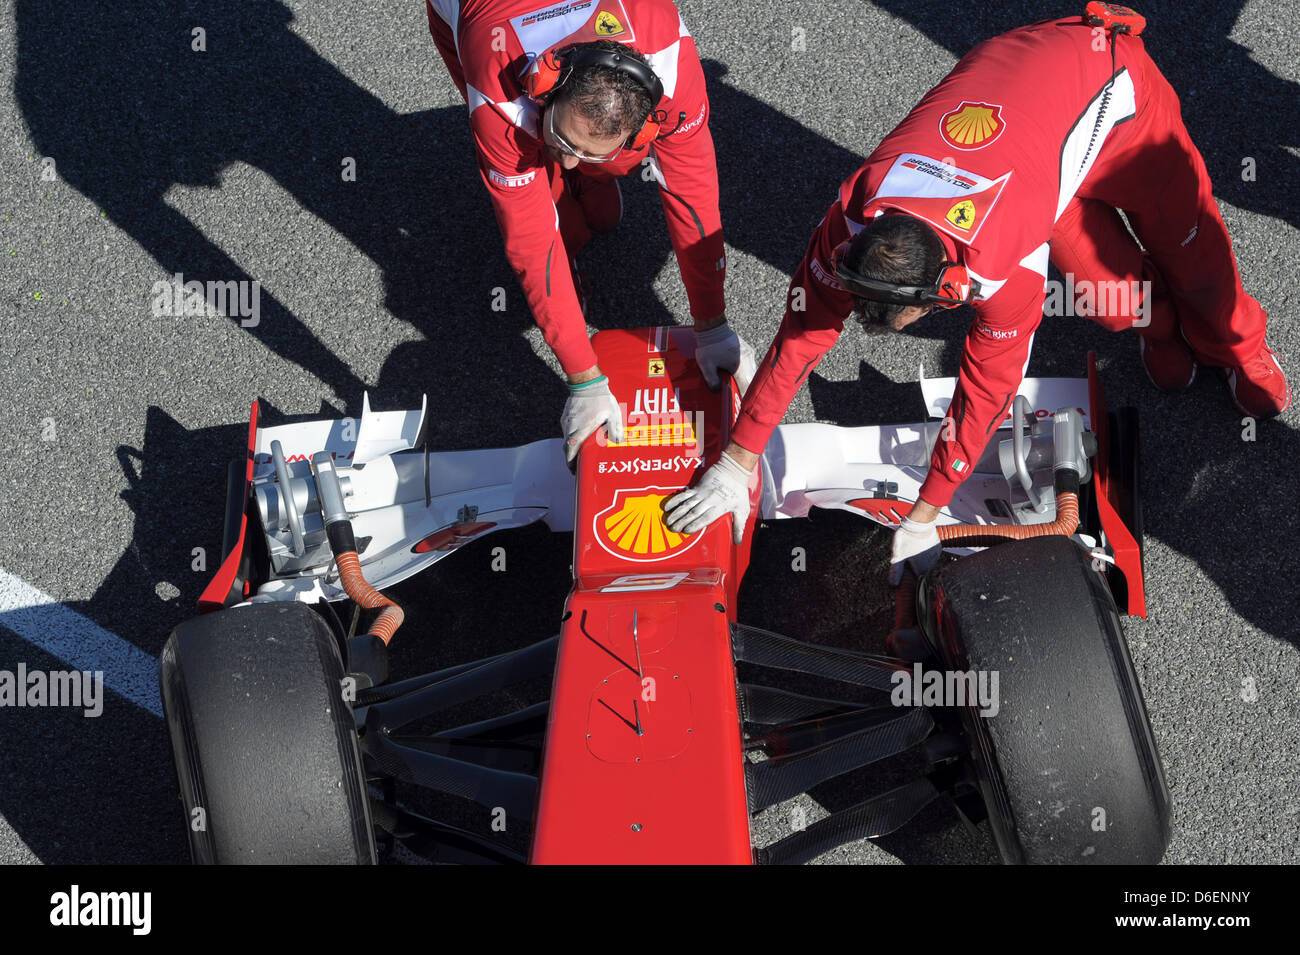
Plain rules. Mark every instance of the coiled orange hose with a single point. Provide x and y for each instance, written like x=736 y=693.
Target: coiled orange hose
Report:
x=358 y=588
x=981 y=535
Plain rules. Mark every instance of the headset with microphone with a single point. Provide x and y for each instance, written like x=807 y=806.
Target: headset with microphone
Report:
x=554 y=69
x=954 y=285
x=952 y=288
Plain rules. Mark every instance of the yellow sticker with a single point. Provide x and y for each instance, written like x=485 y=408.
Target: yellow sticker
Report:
x=608 y=25
x=675 y=434
x=962 y=215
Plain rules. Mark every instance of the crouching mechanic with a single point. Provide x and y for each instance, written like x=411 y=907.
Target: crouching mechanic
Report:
x=564 y=98
x=1022 y=154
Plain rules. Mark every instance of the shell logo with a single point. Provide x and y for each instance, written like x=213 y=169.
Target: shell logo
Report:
x=633 y=528
x=972 y=125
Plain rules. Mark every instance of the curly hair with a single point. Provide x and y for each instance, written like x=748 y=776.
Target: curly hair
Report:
x=611 y=101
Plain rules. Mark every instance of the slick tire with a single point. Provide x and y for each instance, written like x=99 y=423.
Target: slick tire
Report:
x=264 y=745
x=1067 y=765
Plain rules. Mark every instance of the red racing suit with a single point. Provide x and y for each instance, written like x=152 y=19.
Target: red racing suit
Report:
x=1023 y=153
x=489 y=47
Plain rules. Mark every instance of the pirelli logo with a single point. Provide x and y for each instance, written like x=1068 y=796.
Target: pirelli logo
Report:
x=512 y=182
x=660 y=434
x=822 y=275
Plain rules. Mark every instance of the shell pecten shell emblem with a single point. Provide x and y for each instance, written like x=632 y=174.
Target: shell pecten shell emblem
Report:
x=633 y=528
x=972 y=125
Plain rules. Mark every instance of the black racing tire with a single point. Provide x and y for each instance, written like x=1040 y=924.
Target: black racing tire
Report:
x=1067 y=766
x=264 y=744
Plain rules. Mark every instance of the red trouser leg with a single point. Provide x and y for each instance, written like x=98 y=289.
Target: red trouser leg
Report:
x=1098 y=257
x=573 y=224
x=446 y=43
x=1154 y=172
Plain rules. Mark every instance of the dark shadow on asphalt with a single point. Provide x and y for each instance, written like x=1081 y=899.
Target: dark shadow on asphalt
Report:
x=115 y=95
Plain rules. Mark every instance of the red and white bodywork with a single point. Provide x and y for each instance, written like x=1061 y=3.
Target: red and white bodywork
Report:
x=644 y=758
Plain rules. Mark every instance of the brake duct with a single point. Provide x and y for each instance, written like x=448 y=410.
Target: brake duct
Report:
x=1072 y=446
x=343 y=544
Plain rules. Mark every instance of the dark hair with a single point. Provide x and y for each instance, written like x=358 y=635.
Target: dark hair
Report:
x=897 y=249
x=612 y=101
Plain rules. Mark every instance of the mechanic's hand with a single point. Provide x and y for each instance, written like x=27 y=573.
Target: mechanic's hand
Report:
x=724 y=489
x=590 y=405
x=720 y=348
x=915 y=545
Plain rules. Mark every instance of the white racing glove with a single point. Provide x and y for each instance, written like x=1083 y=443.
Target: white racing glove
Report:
x=590 y=405
x=724 y=489
x=720 y=348
x=916 y=545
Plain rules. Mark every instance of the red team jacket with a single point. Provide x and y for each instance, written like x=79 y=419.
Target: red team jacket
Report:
x=489 y=46
x=990 y=158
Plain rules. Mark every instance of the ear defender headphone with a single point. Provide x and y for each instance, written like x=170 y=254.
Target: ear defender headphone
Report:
x=554 y=69
x=952 y=288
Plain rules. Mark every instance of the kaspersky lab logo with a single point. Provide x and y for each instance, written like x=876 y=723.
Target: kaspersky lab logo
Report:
x=633 y=528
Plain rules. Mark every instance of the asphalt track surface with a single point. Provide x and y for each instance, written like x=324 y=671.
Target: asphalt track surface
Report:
x=226 y=165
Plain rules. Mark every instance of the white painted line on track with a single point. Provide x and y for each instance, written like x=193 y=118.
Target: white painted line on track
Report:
x=78 y=641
